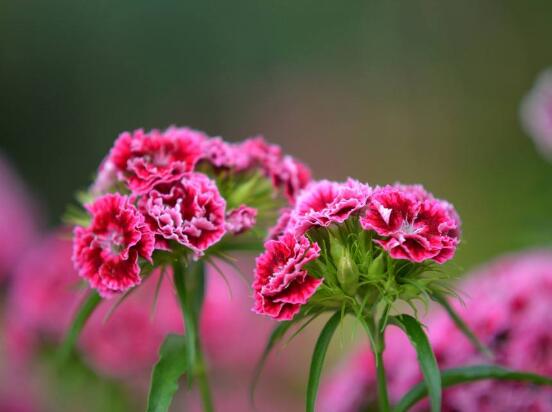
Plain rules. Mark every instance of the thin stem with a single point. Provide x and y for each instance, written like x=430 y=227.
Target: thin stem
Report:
x=383 y=397
x=90 y=302
x=190 y=297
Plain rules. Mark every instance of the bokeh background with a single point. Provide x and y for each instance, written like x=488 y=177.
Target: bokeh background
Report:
x=417 y=91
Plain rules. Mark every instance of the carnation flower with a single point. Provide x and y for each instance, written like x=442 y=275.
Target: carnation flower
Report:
x=536 y=113
x=282 y=224
x=412 y=228
x=106 y=252
x=190 y=211
x=241 y=219
x=325 y=202
x=146 y=159
x=281 y=282
x=292 y=175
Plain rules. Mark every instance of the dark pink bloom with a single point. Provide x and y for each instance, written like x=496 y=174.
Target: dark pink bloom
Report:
x=18 y=223
x=412 y=228
x=146 y=159
x=326 y=202
x=241 y=219
x=106 y=253
x=106 y=179
x=190 y=211
x=282 y=284
x=536 y=113
x=290 y=174
x=282 y=225
x=259 y=153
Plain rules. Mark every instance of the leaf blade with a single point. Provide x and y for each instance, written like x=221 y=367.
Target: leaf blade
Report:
x=456 y=376
x=318 y=356
x=172 y=364
x=426 y=357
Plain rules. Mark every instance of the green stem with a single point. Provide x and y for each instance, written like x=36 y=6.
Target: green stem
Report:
x=190 y=299
x=383 y=397
x=90 y=302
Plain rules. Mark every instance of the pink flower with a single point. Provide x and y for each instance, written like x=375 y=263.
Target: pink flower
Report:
x=290 y=174
x=241 y=219
x=106 y=179
x=536 y=113
x=282 y=225
x=326 y=202
x=190 y=211
x=18 y=223
x=106 y=253
x=260 y=153
x=282 y=285
x=413 y=228
x=146 y=159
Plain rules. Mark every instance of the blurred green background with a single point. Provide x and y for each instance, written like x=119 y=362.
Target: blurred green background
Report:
x=416 y=91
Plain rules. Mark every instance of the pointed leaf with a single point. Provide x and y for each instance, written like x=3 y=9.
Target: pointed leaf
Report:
x=456 y=376
x=318 y=357
x=426 y=358
x=166 y=373
x=464 y=328
x=85 y=310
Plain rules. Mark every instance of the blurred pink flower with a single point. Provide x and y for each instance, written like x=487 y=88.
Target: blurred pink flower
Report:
x=16 y=208
x=240 y=219
x=413 y=229
x=536 y=113
x=325 y=202
x=282 y=285
x=106 y=253
x=146 y=159
x=282 y=225
x=190 y=211
x=508 y=306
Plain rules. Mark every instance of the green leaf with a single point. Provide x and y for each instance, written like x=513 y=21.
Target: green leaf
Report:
x=276 y=336
x=318 y=357
x=456 y=376
x=85 y=310
x=426 y=358
x=166 y=373
x=460 y=324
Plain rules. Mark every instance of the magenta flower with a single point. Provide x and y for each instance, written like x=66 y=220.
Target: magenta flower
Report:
x=190 y=211
x=18 y=220
x=146 y=159
x=106 y=252
x=282 y=224
x=325 y=202
x=412 y=228
x=282 y=285
x=536 y=113
x=290 y=174
x=241 y=219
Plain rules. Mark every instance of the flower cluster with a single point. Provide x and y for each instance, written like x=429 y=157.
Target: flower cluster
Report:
x=508 y=308
x=347 y=240
x=177 y=190
x=536 y=113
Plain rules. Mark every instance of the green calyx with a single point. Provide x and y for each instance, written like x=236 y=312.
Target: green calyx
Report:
x=359 y=275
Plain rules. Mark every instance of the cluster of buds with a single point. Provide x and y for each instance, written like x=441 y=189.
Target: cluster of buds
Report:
x=349 y=246
x=177 y=192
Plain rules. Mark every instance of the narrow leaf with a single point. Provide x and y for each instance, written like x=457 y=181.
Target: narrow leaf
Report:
x=276 y=336
x=456 y=376
x=460 y=324
x=85 y=310
x=426 y=357
x=166 y=373
x=318 y=357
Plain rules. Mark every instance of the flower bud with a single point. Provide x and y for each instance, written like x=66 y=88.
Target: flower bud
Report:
x=347 y=274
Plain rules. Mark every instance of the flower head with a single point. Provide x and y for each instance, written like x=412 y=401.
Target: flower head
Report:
x=241 y=219
x=536 y=113
x=413 y=226
x=324 y=203
x=190 y=211
x=282 y=284
x=106 y=252
x=146 y=159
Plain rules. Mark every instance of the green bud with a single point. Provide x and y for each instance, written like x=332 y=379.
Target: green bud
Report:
x=347 y=275
x=377 y=267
